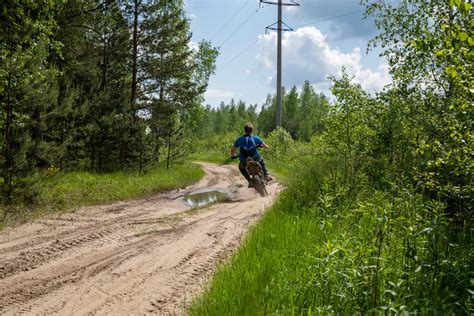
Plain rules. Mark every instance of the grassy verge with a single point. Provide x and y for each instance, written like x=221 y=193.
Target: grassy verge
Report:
x=69 y=191
x=375 y=255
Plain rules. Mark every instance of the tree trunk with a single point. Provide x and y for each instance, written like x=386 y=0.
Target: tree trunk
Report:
x=140 y=162
x=8 y=172
x=63 y=161
x=122 y=156
x=35 y=136
x=170 y=133
x=104 y=66
x=92 y=167
x=157 y=147
x=134 y=59
x=157 y=131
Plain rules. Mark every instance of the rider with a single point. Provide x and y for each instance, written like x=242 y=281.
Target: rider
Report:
x=248 y=144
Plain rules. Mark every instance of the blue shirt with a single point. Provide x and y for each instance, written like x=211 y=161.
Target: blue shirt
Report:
x=245 y=141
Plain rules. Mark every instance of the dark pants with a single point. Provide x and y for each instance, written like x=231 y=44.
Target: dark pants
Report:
x=244 y=172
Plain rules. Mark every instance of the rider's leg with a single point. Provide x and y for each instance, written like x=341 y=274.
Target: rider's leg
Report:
x=264 y=168
x=243 y=170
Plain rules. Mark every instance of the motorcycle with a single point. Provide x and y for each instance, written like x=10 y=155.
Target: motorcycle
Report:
x=257 y=180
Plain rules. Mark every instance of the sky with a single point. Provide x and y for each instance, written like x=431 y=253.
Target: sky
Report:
x=327 y=36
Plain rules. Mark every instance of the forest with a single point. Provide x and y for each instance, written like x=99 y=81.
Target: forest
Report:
x=97 y=86
x=377 y=211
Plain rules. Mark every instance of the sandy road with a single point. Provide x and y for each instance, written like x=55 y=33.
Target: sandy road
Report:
x=145 y=256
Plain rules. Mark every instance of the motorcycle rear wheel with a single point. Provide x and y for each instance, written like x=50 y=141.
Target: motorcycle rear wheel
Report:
x=259 y=185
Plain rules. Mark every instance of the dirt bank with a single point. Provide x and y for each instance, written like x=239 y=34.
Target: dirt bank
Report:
x=145 y=256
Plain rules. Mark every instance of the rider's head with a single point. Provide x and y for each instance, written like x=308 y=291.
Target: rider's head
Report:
x=248 y=128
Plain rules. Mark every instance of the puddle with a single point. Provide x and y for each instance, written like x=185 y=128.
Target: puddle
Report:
x=204 y=197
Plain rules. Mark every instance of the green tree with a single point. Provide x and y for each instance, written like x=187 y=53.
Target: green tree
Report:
x=311 y=113
x=430 y=51
x=291 y=102
x=25 y=42
x=266 y=118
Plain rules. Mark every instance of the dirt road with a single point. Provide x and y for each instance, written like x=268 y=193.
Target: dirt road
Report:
x=145 y=256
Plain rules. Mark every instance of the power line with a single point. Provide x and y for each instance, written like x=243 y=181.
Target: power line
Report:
x=240 y=54
x=229 y=20
x=330 y=18
x=238 y=28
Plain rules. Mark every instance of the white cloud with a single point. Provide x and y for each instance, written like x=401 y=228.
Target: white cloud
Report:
x=192 y=16
x=215 y=96
x=308 y=56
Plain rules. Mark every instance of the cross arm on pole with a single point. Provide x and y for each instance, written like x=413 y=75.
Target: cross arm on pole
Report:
x=273 y=28
x=291 y=3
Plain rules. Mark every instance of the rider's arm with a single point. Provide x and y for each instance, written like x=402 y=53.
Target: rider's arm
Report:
x=233 y=151
x=260 y=143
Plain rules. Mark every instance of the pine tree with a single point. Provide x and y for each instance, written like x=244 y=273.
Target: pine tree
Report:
x=290 y=111
x=173 y=76
x=25 y=42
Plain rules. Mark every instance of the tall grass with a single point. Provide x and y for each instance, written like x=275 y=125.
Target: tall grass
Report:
x=327 y=250
x=68 y=191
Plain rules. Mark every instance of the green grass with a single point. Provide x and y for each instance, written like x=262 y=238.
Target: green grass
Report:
x=281 y=170
x=65 y=192
x=373 y=256
x=210 y=156
x=250 y=283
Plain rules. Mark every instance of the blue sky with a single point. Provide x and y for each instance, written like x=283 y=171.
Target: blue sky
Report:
x=327 y=36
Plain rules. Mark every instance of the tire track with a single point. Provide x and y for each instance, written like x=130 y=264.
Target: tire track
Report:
x=135 y=257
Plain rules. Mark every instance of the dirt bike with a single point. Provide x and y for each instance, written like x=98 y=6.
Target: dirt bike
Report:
x=257 y=179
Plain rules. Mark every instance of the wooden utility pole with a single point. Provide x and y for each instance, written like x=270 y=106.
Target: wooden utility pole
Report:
x=280 y=30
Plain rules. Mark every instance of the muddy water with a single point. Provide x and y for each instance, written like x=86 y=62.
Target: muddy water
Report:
x=204 y=197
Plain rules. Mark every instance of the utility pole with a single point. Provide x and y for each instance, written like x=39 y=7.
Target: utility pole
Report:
x=280 y=30
x=279 y=102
